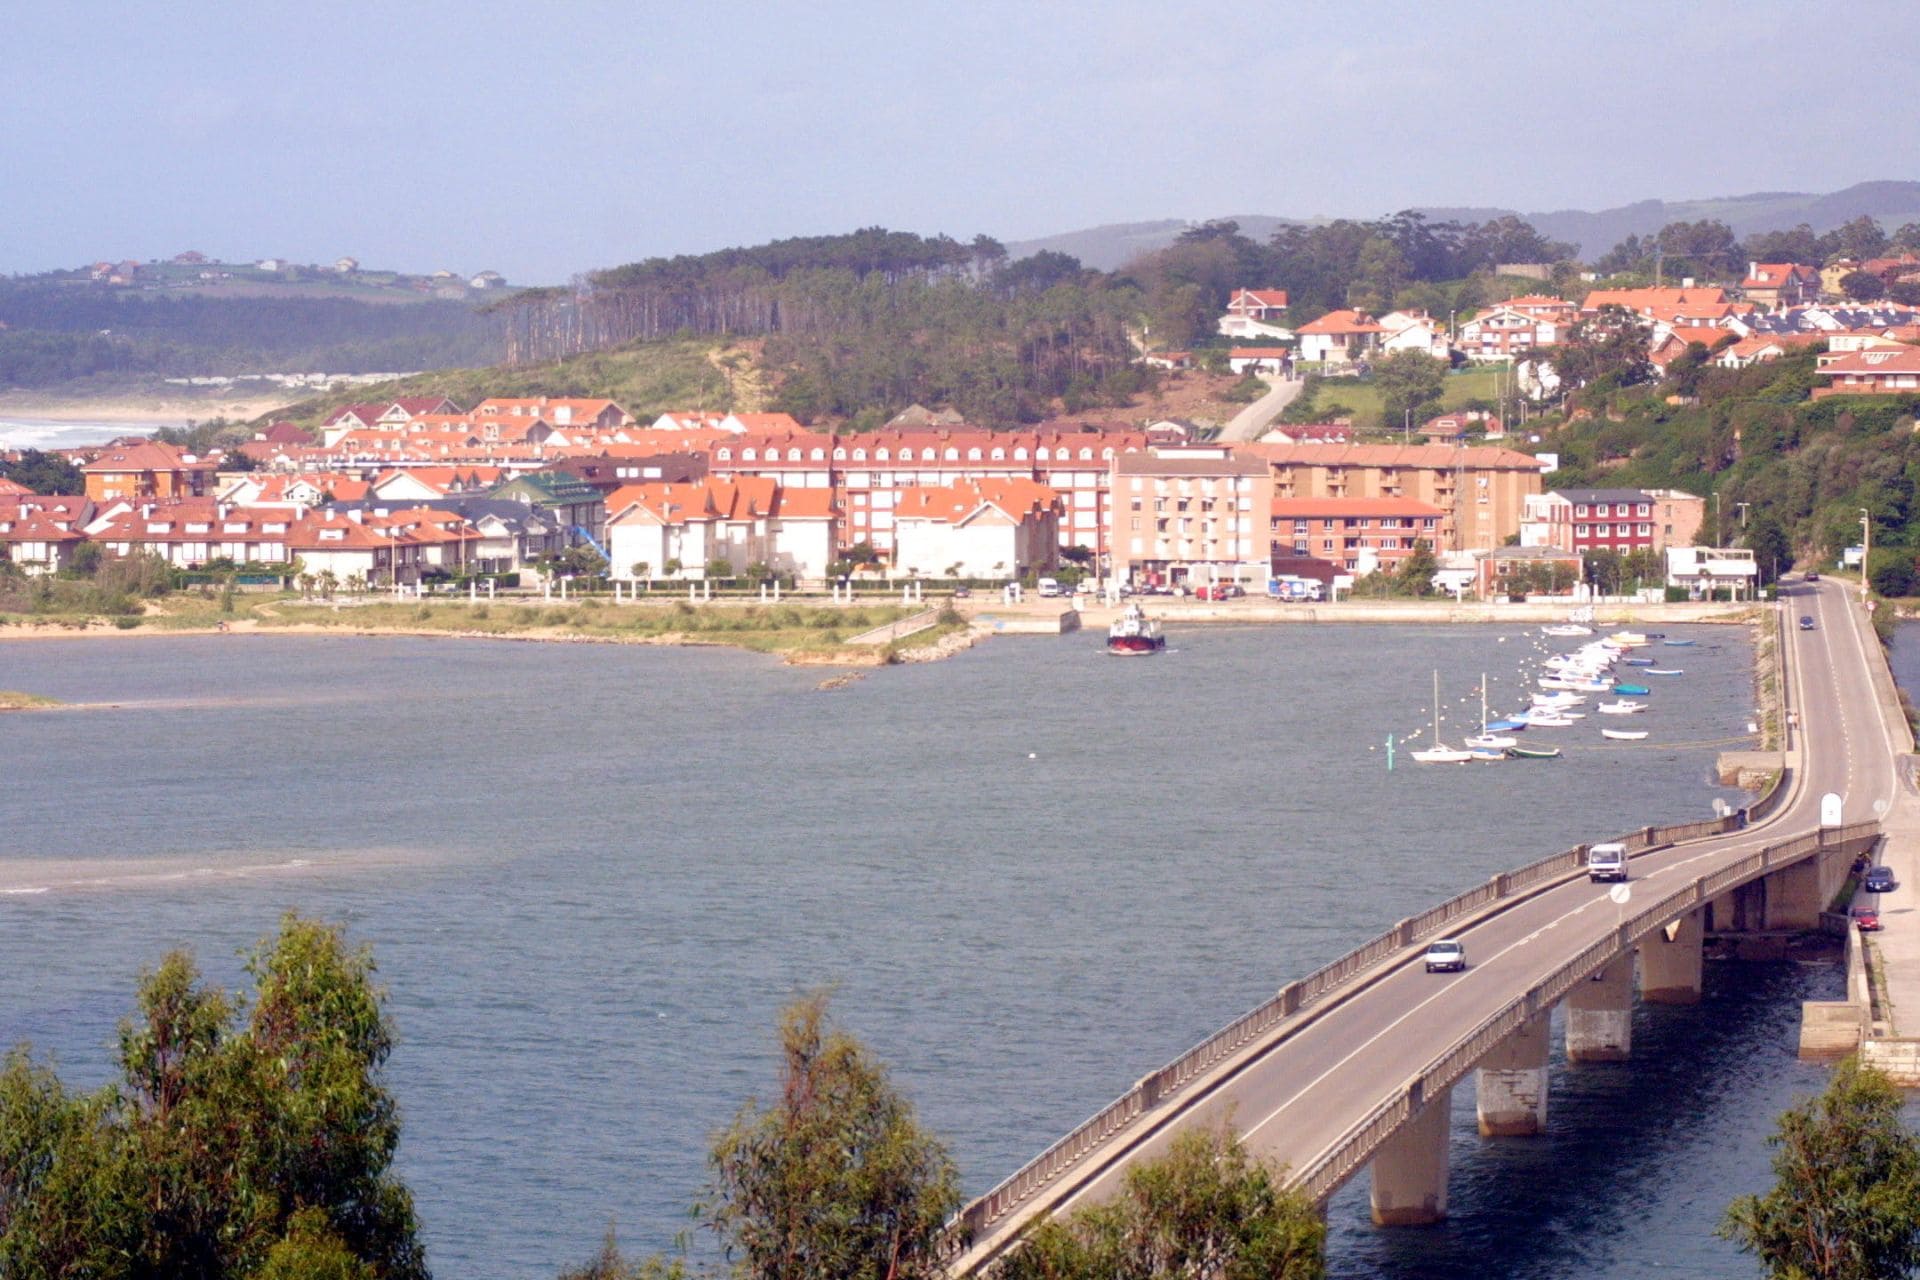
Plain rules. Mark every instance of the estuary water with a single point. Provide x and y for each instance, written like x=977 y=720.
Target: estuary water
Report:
x=592 y=874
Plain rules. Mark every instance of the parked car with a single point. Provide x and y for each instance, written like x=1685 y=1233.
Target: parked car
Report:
x=1448 y=955
x=1879 y=880
x=1812 y=576
x=962 y=593
x=1806 y=622
x=1866 y=919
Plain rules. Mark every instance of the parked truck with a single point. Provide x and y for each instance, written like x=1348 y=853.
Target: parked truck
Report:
x=1288 y=587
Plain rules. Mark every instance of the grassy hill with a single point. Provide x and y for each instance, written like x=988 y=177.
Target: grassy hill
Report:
x=646 y=378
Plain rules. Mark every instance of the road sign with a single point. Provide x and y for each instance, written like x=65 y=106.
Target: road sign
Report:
x=1620 y=893
x=1830 y=810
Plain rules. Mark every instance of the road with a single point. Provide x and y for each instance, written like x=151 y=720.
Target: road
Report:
x=1300 y=1097
x=1252 y=420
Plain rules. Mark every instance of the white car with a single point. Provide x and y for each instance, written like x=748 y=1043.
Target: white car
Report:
x=1448 y=955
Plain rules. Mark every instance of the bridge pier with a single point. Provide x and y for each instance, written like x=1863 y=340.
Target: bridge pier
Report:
x=1600 y=1014
x=1410 y=1168
x=1511 y=1083
x=1794 y=899
x=1670 y=962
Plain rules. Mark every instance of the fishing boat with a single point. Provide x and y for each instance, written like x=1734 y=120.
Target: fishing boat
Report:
x=1534 y=753
x=1624 y=735
x=1624 y=707
x=1440 y=752
x=1490 y=742
x=1558 y=699
x=1549 y=722
x=1133 y=632
x=1678 y=644
x=1566 y=629
x=1488 y=753
x=1664 y=671
x=1635 y=690
x=1628 y=639
x=1508 y=725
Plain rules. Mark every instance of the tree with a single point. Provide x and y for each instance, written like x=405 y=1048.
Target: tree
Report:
x=1206 y=1208
x=1410 y=383
x=1415 y=577
x=1845 y=1204
x=1861 y=238
x=1863 y=286
x=720 y=568
x=1770 y=545
x=44 y=473
x=836 y=1178
x=256 y=1148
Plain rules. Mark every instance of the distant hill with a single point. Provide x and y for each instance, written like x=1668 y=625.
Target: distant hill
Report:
x=1892 y=202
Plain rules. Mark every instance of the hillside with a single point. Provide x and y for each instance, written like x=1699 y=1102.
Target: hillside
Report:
x=1593 y=233
x=1802 y=467
x=645 y=378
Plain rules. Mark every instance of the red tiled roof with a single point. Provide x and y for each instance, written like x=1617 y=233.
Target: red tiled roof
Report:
x=1342 y=322
x=1305 y=508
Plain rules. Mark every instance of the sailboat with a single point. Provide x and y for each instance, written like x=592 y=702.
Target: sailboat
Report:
x=1486 y=740
x=1440 y=752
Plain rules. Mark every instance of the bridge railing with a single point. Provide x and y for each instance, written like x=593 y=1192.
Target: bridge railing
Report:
x=1326 y=1172
x=1255 y=1025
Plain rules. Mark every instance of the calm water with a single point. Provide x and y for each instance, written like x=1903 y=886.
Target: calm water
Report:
x=592 y=874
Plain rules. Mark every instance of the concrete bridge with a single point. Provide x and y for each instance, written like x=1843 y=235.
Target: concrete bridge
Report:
x=1352 y=1067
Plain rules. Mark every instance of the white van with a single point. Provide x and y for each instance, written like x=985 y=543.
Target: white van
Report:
x=1049 y=587
x=1607 y=861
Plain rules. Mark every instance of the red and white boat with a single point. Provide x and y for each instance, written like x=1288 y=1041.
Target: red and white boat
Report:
x=1134 y=632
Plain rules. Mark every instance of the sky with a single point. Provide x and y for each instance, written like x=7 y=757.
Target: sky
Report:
x=549 y=138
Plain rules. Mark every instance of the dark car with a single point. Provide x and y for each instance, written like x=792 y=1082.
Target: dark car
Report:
x=1866 y=919
x=1879 y=880
x=1812 y=576
x=1806 y=622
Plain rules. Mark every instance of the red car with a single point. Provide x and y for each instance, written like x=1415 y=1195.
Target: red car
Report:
x=1866 y=919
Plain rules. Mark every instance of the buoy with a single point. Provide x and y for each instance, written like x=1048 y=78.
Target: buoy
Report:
x=1032 y=755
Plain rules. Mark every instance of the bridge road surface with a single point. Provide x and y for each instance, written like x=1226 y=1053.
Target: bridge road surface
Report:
x=1304 y=1094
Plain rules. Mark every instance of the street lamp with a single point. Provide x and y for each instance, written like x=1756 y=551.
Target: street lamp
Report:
x=1743 y=512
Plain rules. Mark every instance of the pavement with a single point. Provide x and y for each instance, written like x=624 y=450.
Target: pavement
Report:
x=1301 y=1096
x=1256 y=417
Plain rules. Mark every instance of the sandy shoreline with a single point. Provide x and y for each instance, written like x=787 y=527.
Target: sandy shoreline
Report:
x=137 y=409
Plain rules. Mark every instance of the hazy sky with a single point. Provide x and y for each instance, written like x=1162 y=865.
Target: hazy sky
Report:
x=544 y=138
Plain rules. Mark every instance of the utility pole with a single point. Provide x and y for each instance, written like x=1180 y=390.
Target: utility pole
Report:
x=1719 y=526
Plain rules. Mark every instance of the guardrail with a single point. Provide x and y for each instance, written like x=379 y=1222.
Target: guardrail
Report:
x=1291 y=1000
x=1319 y=1177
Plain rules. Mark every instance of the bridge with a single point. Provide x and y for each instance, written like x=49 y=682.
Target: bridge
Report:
x=1353 y=1067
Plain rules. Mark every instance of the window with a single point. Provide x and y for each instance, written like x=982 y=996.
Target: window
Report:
x=747 y=455
x=840 y=455
x=723 y=454
x=1020 y=455
x=1644 y=509
x=1580 y=510
x=998 y=455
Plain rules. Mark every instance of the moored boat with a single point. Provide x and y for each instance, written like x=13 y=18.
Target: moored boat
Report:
x=1639 y=662
x=1678 y=644
x=1664 y=671
x=1440 y=752
x=1133 y=632
x=1624 y=707
x=1624 y=735
x=1638 y=690
x=1534 y=753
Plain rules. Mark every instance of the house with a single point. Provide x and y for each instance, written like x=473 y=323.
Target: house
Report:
x=343 y=544
x=1191 y=515
x=1689 y=299
x=262 y=489
x=1516 y=326
x=346 y=265
x=1483 y=487
x=1879 y=371
x=1781 y=284
x=1359 y=535
x=488 y=280
x=1624 y=520
x=977 y=529
x=1173 y=431
x=1339 y=431
x=191 y=533
x=565 y=498
x=147 y=470
x=607 y=472
x=1760 y=347
x=1414 y=331
x=746 y=521
x=1339 y=338
x=1705 y=571
x=1833 y=273
x=1273 y=360
x=1670 y=342
x=1255 y=313
x=1170 y=359
x=603 y=415
x=38 y=533
x=1258 y=304
x=1508 y=571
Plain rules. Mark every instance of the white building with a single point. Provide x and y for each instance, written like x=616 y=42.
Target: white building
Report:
x=1703 y=570
x=977 y=529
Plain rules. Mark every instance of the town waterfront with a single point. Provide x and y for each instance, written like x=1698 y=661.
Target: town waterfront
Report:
x=591 y=874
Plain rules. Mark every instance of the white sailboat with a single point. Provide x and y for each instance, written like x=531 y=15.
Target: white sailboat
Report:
x=1440 y=752
x=1485 y=741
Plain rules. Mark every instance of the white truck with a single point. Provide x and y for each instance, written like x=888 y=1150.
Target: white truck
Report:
x=1606 y=861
